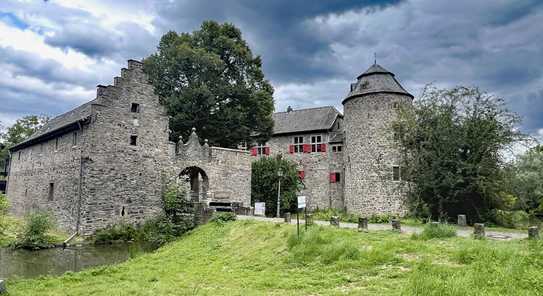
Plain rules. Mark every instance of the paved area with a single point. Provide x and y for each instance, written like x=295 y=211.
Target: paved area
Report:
x=461 y=231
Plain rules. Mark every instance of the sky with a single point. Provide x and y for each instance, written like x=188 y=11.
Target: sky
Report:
x=53 y=53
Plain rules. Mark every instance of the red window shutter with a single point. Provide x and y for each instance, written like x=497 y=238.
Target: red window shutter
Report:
x=267 y=150
x=307 y=148
x=332 y=177
x=253 y=151
x=323 y=147
x=301 y=174
x=291 y=149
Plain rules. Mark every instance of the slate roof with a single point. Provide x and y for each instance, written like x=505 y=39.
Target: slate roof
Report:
x=305 y=120
x=336 y=137
x=376 y=80
x=58 y=123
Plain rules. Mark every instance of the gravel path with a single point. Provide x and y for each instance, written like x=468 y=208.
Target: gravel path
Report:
x=461 y=231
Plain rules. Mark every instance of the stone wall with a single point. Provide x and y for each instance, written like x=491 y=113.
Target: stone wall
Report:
x=370 y=154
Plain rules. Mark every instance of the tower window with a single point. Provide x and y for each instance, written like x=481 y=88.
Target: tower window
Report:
x=133 y=140
x=135 y=108
x=396 y=176
x=51 y=194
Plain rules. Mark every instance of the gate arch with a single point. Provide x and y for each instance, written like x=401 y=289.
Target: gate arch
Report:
x=198 y=181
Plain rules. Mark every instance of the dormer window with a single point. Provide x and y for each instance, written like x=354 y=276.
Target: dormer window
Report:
x=135 y=108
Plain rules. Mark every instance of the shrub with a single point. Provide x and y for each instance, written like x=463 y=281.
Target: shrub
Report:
x=120 y=232
x=223 y=217
x=159 y=231
x=4 y=205
x=510 y=219
x=432 y=230
x=34 y=235
x=380 y=218
x=326 y=214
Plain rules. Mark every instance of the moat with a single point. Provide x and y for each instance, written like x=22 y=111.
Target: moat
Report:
x=56 y=261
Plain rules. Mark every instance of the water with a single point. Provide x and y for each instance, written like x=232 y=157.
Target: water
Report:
x=56 y=261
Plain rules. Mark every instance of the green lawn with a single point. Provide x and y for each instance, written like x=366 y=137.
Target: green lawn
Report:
x=257 y=258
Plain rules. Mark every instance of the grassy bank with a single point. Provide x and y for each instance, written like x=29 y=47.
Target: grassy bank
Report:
x=256 y=258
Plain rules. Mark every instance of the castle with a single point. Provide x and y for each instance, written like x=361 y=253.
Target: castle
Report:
x=110 y=159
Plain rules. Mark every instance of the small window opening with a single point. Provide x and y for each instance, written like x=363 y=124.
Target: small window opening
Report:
x=135 y=108
x=56 y=144
x=19 y=156
x=337 y=148
x=338 y=177
x=133 y=140
x=51 y=194
x=74 y=139
x=396 y=173
x=122 y=212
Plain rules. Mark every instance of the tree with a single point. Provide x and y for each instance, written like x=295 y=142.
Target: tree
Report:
x=453 y=141
x=264 y=183
x=527 y=180
x=22 y=129
x=210 y=80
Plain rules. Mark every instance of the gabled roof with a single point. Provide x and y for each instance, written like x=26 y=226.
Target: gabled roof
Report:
x=57 y=125
x=305 y=120
x=376 y=80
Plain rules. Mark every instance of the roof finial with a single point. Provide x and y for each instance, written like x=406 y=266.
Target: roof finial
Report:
x=375 y=58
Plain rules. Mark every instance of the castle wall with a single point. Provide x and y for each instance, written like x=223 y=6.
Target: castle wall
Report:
x=370 y=154
x=35 y=168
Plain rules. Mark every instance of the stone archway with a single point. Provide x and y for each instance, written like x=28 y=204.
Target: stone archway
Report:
x=198 y=181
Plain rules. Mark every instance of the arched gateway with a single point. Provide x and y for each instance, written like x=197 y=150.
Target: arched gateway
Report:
x=198 y=182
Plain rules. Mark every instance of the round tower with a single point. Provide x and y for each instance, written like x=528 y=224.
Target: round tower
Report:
x=373 y=183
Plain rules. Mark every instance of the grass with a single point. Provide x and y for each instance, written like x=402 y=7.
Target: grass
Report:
x=258 y=258
x=432 y=230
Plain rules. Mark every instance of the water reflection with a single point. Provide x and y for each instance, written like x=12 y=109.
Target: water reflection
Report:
x=28 y=264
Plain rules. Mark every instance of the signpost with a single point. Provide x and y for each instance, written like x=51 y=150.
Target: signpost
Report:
x=260 y=209
x=301 y=205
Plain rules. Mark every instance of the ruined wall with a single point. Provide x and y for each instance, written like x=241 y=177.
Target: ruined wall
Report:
x=124 y=181
x=370 y=154
x=34 y=168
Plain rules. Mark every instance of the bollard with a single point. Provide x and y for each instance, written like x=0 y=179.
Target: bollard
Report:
x=334 y=221
x=287 y=217
x=479 y=230
x=396 y=225
x=308 y=219
x=2 y=286
x=533 y=232
x=362 y=224
x=462 y=221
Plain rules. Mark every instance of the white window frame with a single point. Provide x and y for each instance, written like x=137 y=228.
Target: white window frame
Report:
x=298 y=143
x=315 y=143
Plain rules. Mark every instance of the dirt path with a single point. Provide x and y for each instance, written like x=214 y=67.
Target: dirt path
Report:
x=461 y=231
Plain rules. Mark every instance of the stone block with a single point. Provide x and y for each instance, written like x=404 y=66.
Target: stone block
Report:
x=533 y=232
x=309 y=219
x=396 y=225
x=462 y=221
x=287 y=217
x=362 y=224
x=479 y=230
x=334 y=221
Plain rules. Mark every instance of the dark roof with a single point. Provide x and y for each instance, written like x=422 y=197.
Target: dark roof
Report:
x=305 y=120
x=376 y=80
x=336 y=137
x=57 y=125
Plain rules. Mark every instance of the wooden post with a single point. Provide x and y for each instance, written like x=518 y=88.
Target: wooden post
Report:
x=479 y=230
x=334 y=221
x=462 y=221
x=533 y=232
x=287 y=217
x=396 y=225
x=362 y=224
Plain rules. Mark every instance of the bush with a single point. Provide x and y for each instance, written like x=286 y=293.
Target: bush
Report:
x=326 y=214
x=34 y=235
x=432 y=230
x=159 y=231
x=120 y=232
x=223 y=217
x=510 y=219
x=380 y=218
x=4 y=205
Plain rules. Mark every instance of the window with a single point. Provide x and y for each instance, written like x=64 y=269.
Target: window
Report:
x=133 y=140
x=316 y=144
x=396 y=176
x=51 y=194
x=261 y=149
x=74 y=139
x=338 y=177
x=298 y=144
x=56 y=144
x=337 y=148
x=19 y=156
x=122 y=212
x=335 y=177
x=135 y=108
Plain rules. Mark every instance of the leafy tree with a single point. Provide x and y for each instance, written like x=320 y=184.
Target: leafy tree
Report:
x=18 y=132
x=265 y=180
x=527 y=180
x=453 y=142
x=209 y=79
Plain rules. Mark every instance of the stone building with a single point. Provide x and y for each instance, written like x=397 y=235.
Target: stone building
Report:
x=110 y=160
x=348 y=161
